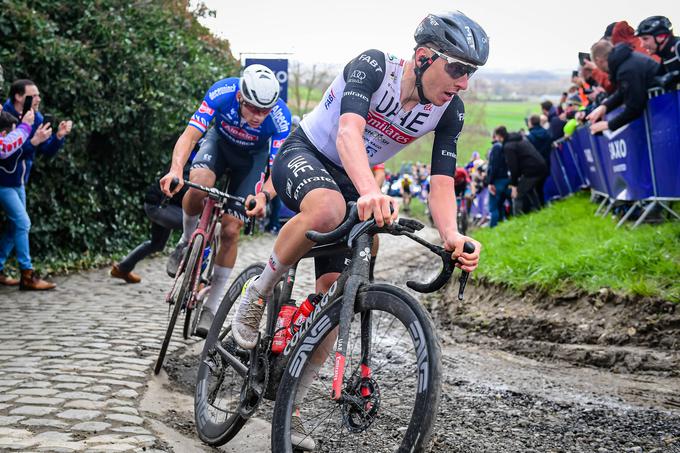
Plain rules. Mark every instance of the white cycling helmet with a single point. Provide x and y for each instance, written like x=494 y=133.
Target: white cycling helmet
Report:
x=259 y=86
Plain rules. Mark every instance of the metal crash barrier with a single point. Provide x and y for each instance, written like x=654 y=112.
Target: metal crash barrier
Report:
x=638 y=163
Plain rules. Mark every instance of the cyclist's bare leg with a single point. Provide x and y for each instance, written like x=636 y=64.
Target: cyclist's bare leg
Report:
x=192 y=203
x=321 y=210
x=224 y=260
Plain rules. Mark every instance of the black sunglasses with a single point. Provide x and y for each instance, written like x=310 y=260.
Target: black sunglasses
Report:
x=456 y=68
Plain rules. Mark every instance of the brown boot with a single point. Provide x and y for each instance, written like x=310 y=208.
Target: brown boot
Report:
x=8 y=281
x=129 y=277
x=31 y=281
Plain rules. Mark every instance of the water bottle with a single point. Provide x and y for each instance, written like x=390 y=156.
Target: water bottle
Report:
x=204 y=261
x=282 y=333
x=303 y=312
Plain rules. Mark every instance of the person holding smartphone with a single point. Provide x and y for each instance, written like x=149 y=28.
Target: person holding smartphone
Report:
x=44 y=138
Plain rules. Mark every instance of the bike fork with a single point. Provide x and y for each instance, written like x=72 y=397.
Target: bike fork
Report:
x=359 y=275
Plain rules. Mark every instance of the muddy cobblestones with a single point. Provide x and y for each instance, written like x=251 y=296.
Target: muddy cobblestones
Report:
x=75 y=368
x=75 y=361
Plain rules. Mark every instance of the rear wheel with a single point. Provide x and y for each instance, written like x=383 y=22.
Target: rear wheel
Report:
x=392 y=407
x=180 y=299
x=217 y=398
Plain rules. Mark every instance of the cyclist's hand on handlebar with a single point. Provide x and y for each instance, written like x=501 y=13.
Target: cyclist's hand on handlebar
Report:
x=166 y=183
x=377 y=205
x=260 y=205
x=468 y=261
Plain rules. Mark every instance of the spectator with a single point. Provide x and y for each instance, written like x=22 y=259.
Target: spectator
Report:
x=498 y=181
x=657 y=38
x=527 y=169
x=13 y=137
x=556 y=123
x=609 y=31
x=624 y=33
x=165 y=215
x=633 y=73
x=14 y=173
x=539 y=137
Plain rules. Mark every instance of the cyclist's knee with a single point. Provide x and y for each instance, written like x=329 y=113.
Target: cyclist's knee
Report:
x=323 y=209
x=230 y=229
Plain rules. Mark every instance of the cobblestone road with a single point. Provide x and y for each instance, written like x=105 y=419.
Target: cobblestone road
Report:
x=75 y=375
x=75 y=362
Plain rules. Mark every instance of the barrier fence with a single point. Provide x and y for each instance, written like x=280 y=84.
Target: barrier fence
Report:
x=638 y=163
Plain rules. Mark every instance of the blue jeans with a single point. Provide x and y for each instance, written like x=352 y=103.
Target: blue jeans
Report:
x=13 y=202
x=497 y=202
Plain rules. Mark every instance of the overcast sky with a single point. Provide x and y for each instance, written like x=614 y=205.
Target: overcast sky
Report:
x=524 y=34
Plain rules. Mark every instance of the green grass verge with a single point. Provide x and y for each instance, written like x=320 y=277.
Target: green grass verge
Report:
x=566 y=247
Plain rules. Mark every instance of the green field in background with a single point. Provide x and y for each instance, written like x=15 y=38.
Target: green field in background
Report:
x=480 y=120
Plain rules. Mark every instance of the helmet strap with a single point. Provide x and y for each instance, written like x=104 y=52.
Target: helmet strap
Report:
x=425 y=63
x=660 y=42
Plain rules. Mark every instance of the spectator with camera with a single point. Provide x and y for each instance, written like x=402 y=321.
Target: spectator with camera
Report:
x=24 y=96
x=527 y=169
x=12 y=137
x=632 y=72
x=656 y=35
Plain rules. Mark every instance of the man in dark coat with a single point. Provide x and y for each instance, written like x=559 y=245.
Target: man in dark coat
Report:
x=542 y=141
x=633 y=73
x=656 y=35
x=527 y=169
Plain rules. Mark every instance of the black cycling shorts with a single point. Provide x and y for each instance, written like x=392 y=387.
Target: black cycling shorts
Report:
x=246 y=167
x=300 y=168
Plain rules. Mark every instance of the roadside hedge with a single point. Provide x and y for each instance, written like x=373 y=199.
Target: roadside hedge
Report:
x=129 y=75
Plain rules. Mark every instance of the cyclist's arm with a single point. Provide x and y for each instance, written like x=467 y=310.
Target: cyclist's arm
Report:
x=442 y=185
x=363 y=77
x=198 y=125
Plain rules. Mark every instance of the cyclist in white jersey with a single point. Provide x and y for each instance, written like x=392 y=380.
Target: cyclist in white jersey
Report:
x=377 y=106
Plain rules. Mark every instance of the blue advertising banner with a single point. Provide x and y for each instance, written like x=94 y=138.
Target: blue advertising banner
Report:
x=589 y=158
x=625 y=160
x=279 y=66
x=549 y=190
x=570 y=167
x=557 y=172
x=664 y=119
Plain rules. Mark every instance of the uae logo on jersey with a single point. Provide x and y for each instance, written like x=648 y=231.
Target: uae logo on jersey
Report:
x=204 y=108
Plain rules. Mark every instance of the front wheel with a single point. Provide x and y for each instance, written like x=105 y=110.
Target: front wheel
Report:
x=184 y=280
x=391 y=386
x=217 y=397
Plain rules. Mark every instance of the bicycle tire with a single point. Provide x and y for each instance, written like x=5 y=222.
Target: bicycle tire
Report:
x=184 y=287
x=373 y=298
x=210 y=432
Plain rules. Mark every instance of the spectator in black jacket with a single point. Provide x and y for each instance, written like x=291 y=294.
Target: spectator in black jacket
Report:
x=498 y=181
x=556 y=128
x=527 y=169
x=633 y=73
x=542 y=141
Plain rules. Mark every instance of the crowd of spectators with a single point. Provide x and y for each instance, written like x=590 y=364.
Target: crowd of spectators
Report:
x=617 y=72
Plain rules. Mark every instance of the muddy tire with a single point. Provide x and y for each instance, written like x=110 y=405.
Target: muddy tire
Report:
x=399 y=411
x=218 y=386
x=187 y=277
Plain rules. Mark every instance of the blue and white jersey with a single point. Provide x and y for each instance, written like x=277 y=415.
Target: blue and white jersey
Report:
x=220 y=103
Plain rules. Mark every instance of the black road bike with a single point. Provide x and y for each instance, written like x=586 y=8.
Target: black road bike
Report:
x=380 y=389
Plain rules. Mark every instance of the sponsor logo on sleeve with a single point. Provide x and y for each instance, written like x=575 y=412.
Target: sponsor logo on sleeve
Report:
x=205 y=108
x=361 y=96
x=329 y=99
x=220 y=91
x=461 y=116
x=372 y=62
x=446 y=153
x=356 y=76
